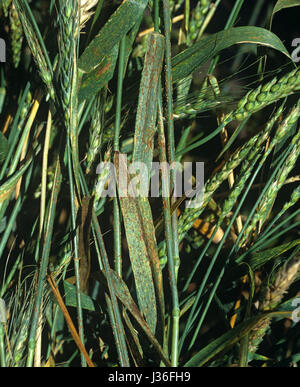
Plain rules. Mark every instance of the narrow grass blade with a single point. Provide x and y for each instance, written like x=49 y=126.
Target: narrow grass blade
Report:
x=193 y=57
x=3 y=147
x=133 y=341
x=282 y=4
x=10 y=184
x=69 y=320
x=112 y=301
x=95 y=18
x=231 y=337
x=174 y=259
x=84 y=243
x=151 y=245
x=260 y=258
x=44 y=264
x=2 y=97
x=124 y=296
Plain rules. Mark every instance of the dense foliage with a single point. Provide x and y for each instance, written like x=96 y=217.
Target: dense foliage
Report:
x=123 y=280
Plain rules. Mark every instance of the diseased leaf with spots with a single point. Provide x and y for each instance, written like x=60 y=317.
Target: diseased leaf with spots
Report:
x=145 y=125
x=122 y=20
x=3 y=147
x=137 y=236
x=93 y=81
x=98 y=61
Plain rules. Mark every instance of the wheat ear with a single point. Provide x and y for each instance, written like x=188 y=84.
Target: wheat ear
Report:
x=270 y=298
x=262 y=96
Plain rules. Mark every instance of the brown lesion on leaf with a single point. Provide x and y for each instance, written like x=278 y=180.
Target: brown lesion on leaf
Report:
x=103 y=69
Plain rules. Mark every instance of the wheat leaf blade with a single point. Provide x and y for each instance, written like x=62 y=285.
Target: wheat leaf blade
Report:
x=139 y=254
x=111 y=34
x=193 y=57
x=147 y=106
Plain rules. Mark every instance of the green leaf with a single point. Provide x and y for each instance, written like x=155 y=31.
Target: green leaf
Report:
x=259 y=259
x=121 y=21
x=71 y=297
x=151 y=245
x=281 y=4
x=104 y=65
x=193 y=57
x=145 y=125
x=3 y=147
x=123 y=294
x=93 y=81
x=229 y=338
x=141 y=248
x=133 y=341
x=9 y=185
x=2 y=97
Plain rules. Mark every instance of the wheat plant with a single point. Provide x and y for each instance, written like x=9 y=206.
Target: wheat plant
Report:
x=95 y=273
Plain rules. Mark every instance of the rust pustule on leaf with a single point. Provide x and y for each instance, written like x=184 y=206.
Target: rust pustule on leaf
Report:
x=103 y=69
